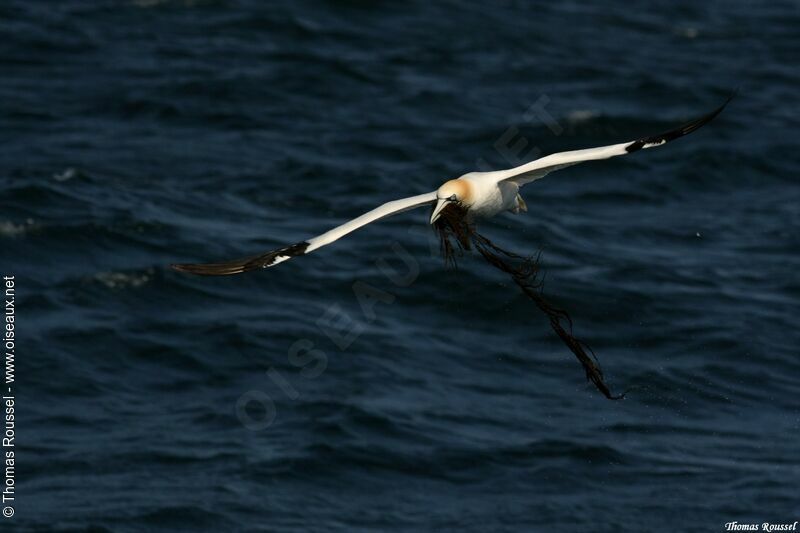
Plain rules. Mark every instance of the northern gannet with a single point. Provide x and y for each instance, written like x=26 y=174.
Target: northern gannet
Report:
x=482 y=194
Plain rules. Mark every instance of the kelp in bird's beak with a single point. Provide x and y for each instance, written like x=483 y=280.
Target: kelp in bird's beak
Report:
x=457 y=234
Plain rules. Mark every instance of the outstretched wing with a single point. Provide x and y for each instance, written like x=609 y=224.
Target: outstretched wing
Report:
x=272 y=258
x=541 y=167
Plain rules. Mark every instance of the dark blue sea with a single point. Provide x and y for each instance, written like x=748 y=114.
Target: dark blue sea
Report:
x=138 y=133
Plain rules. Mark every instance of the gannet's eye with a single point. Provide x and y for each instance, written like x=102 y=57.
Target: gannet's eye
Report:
x=452 y=198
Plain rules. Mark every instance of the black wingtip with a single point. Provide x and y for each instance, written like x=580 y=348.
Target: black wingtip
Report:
x=214 y=269
x=245 y=264
x=685 y=129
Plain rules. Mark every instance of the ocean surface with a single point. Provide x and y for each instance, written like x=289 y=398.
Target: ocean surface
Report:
x=366 y=387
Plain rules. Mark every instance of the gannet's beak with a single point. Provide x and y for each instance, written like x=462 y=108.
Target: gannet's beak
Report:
x=440 y=203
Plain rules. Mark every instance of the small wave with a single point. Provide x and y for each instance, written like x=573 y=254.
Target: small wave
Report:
x=581 y=115
x=687 y=32
x=122 y=280
x=10 y=229
x=67 y=174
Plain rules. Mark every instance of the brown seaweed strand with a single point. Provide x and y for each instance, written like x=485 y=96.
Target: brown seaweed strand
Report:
x=524 y=271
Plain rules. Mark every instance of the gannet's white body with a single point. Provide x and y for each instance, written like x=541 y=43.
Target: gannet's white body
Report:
x=483 y=194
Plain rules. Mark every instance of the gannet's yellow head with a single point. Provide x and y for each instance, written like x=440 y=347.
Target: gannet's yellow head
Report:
x=451 y=191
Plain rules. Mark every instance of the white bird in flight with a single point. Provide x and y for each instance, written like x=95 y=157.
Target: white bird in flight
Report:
x=482 y=194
